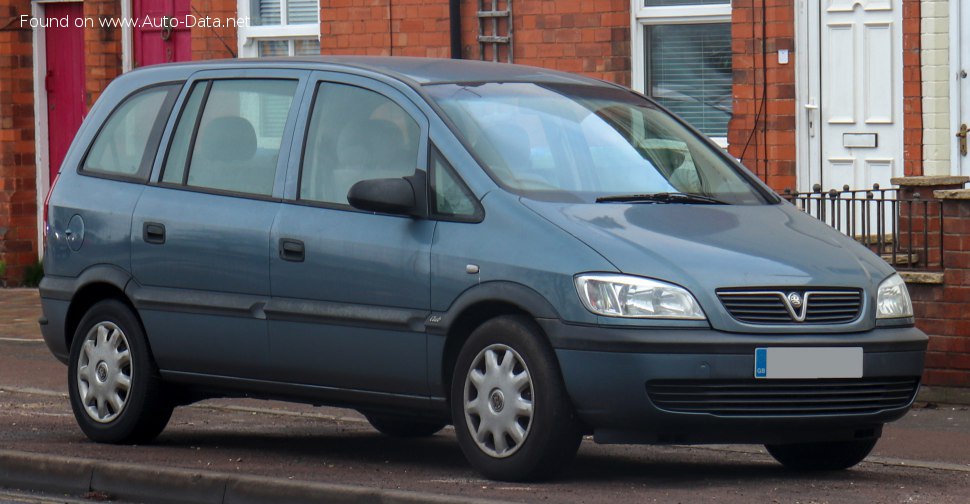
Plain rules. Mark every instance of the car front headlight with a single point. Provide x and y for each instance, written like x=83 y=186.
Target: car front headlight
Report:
x=892 y=299
x=635 y=297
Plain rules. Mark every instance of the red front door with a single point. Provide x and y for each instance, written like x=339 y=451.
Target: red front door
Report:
x=64 y=82
x=161 y=40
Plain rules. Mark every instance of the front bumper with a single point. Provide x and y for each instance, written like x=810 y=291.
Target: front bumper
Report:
x=608 y=372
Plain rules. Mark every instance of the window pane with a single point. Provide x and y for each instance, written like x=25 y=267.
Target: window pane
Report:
x=266 y=12
x=121 y=146
x=658 y=3
x=451 y=198
x=238 y=143
x=689 y=71
x=179 y=149
x=302 y=11
x=355 y=135
x=267 y=48
x=307 y=47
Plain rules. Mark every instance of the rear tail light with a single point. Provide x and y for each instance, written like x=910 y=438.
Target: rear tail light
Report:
x=47 y=202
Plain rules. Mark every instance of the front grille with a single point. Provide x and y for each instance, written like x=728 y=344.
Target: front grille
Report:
x=783 y=397
x=775 y=307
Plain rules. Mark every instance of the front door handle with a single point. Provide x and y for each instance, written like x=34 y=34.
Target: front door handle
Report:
x=153 y=232
x=292 y=250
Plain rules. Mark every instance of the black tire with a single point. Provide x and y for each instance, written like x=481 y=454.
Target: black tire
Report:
x=402 y=426
x=552 y=433
x=830 y=456
x=144 y=408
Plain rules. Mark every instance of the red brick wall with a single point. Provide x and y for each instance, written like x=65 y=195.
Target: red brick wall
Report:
x=361 y=27
x=102 y=47
x=211 y=42
x=18 y=194
x=762 y=129
x=941 y=310
x=912 y=90
x=588 y=37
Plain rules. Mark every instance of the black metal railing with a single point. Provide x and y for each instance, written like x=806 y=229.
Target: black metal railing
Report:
x=904 y=229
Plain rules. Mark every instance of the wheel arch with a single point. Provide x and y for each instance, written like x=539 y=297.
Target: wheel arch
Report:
x=93 y=286
x=478 y=305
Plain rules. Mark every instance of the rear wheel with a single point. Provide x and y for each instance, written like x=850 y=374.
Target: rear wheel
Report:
x=512 y=416
x=830 y=456
x=405 y=427
x=113 y=384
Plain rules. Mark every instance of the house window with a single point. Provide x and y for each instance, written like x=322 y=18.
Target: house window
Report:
x=682 y=59
x=279 y=28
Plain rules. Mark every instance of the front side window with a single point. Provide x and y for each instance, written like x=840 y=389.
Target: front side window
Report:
x=229 y=135
x=355 y=134
x=687 y=65
x=568 y=142
x=127 y=144
x=280 y=28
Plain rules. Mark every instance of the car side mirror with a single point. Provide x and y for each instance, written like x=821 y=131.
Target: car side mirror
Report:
x=385 y=195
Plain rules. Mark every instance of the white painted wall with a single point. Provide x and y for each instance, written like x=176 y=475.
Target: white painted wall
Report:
x=935 y=61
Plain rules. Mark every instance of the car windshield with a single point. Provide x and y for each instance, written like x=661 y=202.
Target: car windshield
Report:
x=581 y=143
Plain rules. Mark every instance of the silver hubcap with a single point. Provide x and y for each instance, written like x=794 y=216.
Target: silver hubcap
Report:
x=104 y=372
x=498 y=401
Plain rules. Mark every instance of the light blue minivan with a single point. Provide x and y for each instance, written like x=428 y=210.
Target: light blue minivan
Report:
x=526 y=254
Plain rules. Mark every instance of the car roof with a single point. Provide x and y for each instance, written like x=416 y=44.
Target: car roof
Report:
x=417 y=70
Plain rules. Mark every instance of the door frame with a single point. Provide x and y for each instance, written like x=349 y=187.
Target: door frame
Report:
x=804 y=146
x=959 y=165
x=808 y=14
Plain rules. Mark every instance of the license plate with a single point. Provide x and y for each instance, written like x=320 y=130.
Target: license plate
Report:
x=812 y=362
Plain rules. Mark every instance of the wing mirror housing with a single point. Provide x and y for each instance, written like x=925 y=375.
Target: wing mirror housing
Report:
x=385 y=195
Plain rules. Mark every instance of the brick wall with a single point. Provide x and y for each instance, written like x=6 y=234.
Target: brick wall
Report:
x=361 y=27
x=912 y=90
x=940 y=296
x=211 y=42
x=587 y=37
x=941 y=309
x=762 y=128
x=935 y=67
x=18 y=195
x=102 y=48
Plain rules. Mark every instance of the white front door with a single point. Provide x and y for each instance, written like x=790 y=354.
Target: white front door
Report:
x=853 y=93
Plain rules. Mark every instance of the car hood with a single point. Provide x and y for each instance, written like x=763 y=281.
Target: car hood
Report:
x=710 y=247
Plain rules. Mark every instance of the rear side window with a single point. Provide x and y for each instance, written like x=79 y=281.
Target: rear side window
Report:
x=126 y=145
x=355 y=134
x=229 y=134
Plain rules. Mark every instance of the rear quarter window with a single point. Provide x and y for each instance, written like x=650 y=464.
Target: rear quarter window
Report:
x=128 y=141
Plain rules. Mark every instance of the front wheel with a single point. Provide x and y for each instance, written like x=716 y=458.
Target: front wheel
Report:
x=831 y=456
x=114 y=387
x=512 y=416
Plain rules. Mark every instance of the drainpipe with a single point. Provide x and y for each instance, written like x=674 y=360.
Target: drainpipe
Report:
x=454 y=14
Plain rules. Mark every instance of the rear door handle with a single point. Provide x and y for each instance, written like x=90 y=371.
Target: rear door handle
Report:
x=153 y=232
x=292 y=250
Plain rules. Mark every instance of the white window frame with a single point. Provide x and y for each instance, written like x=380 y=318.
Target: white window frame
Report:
x=642 y=17
x=249 y=34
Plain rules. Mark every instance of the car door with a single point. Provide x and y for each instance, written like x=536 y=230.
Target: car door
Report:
x=350 y=288
x=200 y=231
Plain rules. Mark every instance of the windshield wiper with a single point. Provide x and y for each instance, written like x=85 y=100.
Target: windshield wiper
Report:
x=661 y=197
